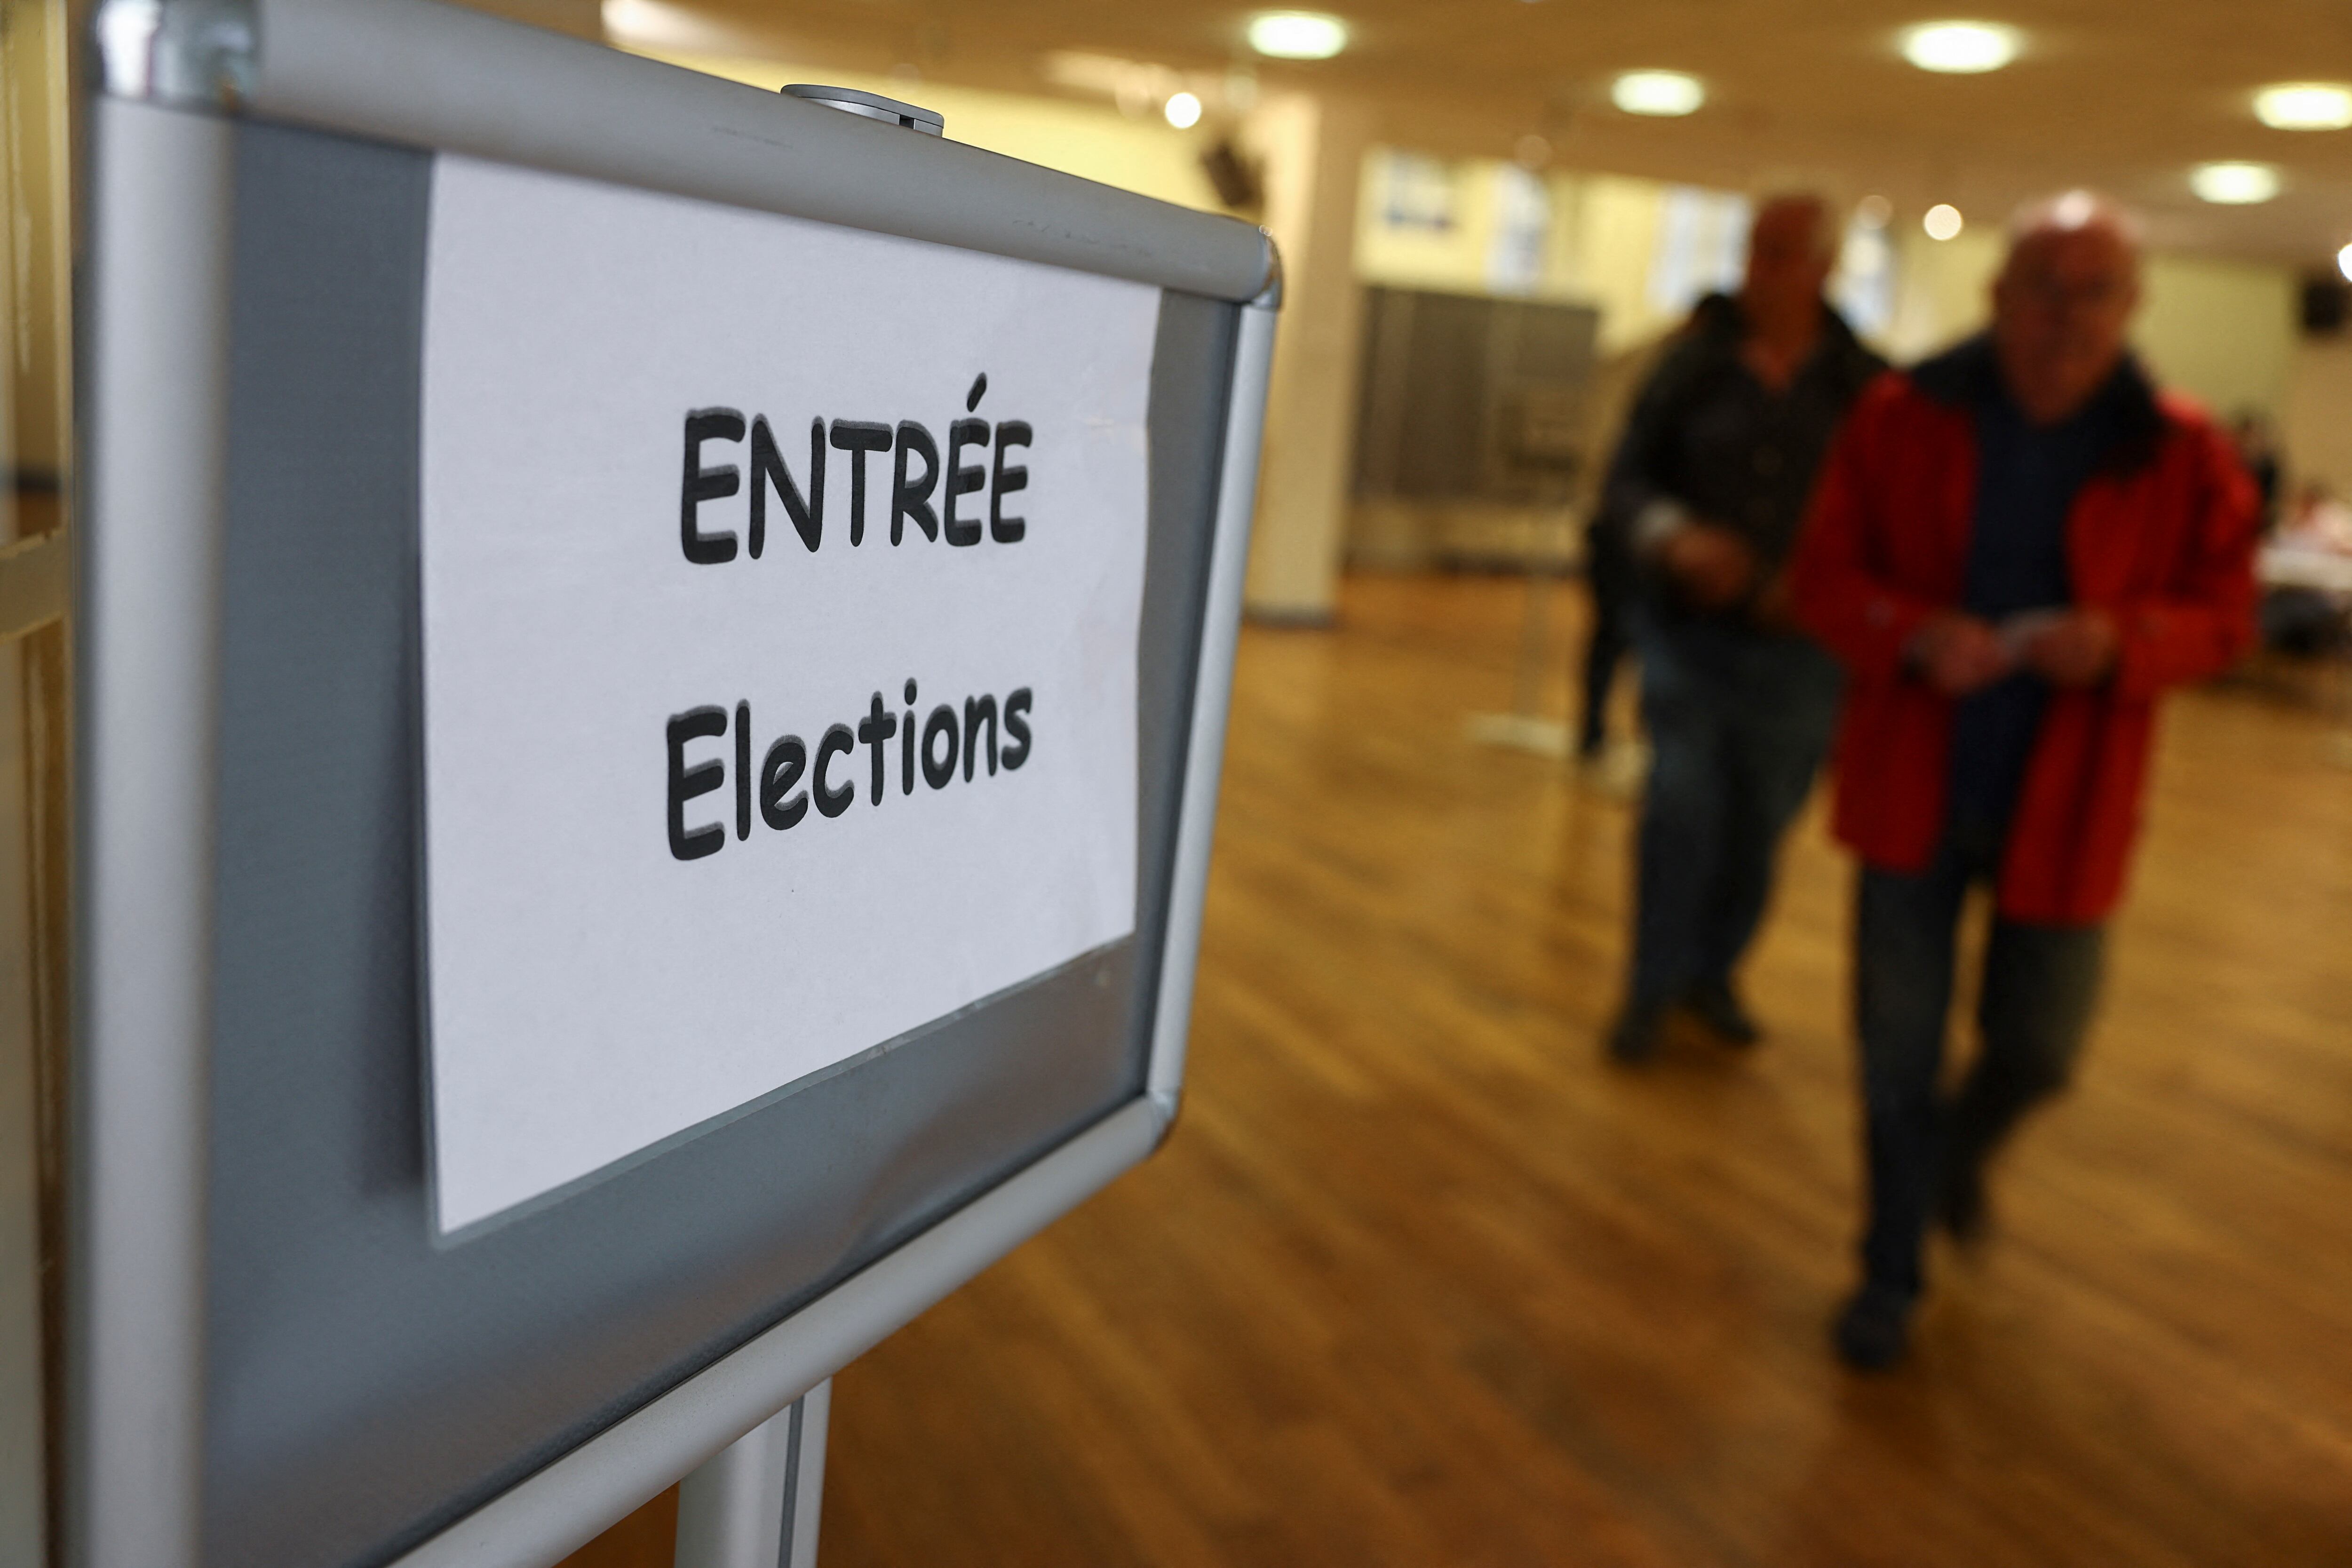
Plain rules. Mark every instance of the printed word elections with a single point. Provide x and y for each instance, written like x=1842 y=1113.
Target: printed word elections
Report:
x=789 y=776
x=924 y=488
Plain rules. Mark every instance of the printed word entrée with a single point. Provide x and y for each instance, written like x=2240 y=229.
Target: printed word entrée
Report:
x=917 y=470
x=948 y=741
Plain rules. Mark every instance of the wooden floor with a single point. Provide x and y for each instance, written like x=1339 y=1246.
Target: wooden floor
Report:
x=1420 y=1282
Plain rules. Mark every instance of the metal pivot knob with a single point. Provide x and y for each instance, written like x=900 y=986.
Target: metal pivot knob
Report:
x=872 y=105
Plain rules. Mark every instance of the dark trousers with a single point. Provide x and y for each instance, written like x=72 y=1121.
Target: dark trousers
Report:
x=1739 y=723
x=1609 y=576
x=2041 y=984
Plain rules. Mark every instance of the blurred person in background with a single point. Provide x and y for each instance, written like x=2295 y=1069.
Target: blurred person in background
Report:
x=1610 y=579
x=2016 y=547
x=2258 y=450
x=2307 y=597
x=1708 y=485
x=2318 y=523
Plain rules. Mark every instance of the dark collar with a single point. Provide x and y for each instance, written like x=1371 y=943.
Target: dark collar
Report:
x=1719 y=316
x=1966 y=374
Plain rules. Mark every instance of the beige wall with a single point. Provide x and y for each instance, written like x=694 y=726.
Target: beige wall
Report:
x=1450 y=261
x=2315 y=425
x=1603 y=230
x=1610 y=238
x=2222 y=332
x=1313 y=152
x=34 y=306
x=1941 y=290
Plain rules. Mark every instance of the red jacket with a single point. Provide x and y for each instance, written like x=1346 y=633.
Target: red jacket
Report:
x=2162 y=536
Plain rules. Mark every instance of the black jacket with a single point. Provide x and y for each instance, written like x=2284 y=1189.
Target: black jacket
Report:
x=1706 y=435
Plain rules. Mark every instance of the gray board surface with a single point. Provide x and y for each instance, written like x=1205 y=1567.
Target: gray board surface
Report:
x=364 y=1386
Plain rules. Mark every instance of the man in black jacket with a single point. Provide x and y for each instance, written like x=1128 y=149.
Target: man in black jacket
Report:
x=1710 y=486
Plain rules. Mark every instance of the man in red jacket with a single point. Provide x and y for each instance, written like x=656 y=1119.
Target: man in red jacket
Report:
x=2014 y=548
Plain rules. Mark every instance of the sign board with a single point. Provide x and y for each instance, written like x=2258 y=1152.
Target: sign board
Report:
x=526 y=1033
x=781 y=592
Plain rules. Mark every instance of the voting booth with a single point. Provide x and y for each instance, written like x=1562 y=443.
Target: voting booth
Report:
x=651 y=663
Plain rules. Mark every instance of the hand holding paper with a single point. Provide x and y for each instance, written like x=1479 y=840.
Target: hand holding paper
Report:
x=2067 y=648
x=1960 y=653
x=1713 y=565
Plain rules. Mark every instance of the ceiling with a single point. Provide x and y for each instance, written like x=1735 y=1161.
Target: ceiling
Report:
x=2125 y=95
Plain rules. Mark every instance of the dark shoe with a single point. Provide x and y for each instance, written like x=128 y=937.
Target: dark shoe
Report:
x=1874 y=1330
x=1961 y=1207
x=1633 y=1037
x=1714 y=1006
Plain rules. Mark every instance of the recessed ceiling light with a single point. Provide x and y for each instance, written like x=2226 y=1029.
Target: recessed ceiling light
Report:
x=2304 y=106
x=1298 y=35
x=2234 y=185
x=1960 y=48
x=2344 y=263
x=1657 y=92
x=1183 y=110
x=1943 y=221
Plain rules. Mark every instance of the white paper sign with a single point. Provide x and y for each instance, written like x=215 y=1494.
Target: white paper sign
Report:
x=689 y=837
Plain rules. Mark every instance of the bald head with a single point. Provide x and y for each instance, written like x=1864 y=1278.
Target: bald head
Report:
x=2073 y=212
x=2063 y=300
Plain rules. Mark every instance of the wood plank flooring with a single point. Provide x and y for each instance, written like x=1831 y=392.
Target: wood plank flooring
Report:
x=1420 y=1282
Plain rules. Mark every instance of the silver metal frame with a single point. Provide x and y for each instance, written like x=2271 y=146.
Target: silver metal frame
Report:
x=147 y=639
x=147 y=625
x=588 y=1490
x=756 y=1504
x=1213 y=689
x=430 y=75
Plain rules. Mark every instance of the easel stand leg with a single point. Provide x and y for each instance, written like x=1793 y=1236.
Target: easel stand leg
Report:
x=755 y=1504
